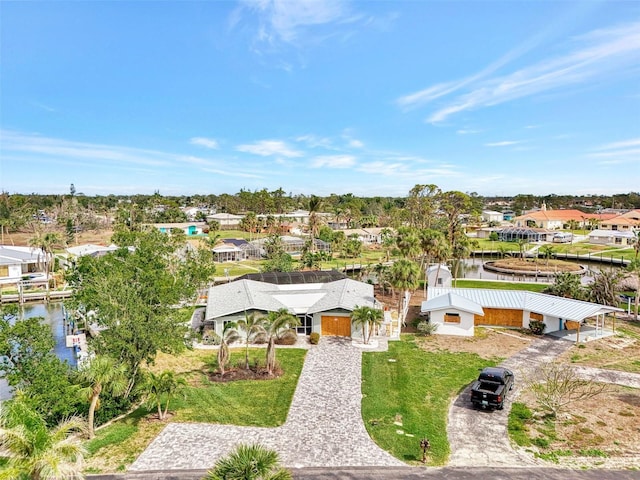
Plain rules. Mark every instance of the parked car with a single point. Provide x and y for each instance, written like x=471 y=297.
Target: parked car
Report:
x=491 y=388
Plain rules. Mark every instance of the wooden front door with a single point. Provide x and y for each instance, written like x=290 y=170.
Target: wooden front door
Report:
x=336 y=326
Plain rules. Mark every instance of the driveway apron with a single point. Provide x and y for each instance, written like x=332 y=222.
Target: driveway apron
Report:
x=479 y=437
x=324 y=427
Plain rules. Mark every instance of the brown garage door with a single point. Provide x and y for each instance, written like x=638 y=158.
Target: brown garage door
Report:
x=500 y=317
x=337 y=326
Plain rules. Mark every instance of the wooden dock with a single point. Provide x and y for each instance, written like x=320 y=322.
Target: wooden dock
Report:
x=26 y=297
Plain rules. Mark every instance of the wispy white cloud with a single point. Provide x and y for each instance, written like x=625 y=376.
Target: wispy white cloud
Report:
x=615 y=153
x=634 y=142
x=228 y=173
x=314 y=141
x=53 y=147
x=334 y=161
x=601 y=55
x=22 y=147
x=43 y=106
x=286 y=21
x=467 y=131
x=267 y=148
x=205 y=142
x=504 y=143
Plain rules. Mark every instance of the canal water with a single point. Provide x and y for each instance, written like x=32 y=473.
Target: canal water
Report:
x=53 y=315
x=473 y=268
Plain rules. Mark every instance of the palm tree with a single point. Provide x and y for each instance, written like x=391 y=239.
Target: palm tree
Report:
x=388 y=241
x=547 y=252
x=45 y=242
x=274 y=323
x=435 y=248
x=315 y=204
x=30 y=450
x=366 y=318
x=408 y=242
x=251 y=325
x=360 y=319
x=162 y=388
x=102 y=373
x=405 y=275
x=229 y=335
x=249 y=462
x=634 y=268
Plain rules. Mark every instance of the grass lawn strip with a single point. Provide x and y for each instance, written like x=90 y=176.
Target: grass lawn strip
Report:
x=262 y=403
x=409 y=390
x=531 y=287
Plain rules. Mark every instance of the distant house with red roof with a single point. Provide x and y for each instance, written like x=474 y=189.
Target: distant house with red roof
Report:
x=557 y=219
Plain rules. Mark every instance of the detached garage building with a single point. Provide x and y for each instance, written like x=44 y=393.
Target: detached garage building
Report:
x=458 y=310
x=322 y=301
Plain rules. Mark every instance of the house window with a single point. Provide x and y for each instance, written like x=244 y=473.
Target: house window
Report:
x=618 y=241
x=536 y=316
x=306 y=323
x=4 y=270
x=439 y=281
x=452 y=317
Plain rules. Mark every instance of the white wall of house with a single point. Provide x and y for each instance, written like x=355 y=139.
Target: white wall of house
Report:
x=464 y=327
x=552 y=323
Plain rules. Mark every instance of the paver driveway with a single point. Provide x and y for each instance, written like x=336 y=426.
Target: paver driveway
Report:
x=324 y=427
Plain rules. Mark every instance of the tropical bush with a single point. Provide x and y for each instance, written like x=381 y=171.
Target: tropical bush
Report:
x=426 y=328
x=314 y=338
x=537 y=327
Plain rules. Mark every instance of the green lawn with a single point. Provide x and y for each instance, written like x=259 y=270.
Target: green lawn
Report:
x=263 y=403
x=493 y=246
x=260 y=403
x=414 y=387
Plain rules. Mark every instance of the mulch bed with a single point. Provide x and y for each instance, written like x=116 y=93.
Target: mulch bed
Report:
x=234 y=374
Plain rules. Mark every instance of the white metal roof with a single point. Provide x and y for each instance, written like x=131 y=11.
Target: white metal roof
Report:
x=552 y=305
x=241 y=295
x=452 y=300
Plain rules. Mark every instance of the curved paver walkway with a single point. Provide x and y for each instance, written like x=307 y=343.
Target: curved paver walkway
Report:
x=324 y=427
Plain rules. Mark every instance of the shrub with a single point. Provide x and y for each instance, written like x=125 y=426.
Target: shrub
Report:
x=537 y=327
x=426 y=328
x=288 y=337
x=259 y=338
x=314 y=338
x=209 y=337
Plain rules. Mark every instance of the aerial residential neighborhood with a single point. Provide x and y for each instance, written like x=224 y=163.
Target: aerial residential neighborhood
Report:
x=319 y=239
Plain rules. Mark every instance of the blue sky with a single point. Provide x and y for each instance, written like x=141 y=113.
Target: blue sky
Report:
x=498 y=98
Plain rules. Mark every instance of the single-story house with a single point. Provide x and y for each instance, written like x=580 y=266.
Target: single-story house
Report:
x=612 y=237
x=293 y=245
x=189 y=228
x=17 y=262
x=620 y=223
x=492 y=216
x=227 y=221
x=458 y=310
x=321 y=306
x=91 y=250
x=367 y=236
x=557 y=219
x=513 y=234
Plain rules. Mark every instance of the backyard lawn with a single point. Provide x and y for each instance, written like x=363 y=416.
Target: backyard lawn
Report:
x=531 y=287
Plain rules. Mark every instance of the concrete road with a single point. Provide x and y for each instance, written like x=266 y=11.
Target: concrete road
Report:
x=408 y=473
